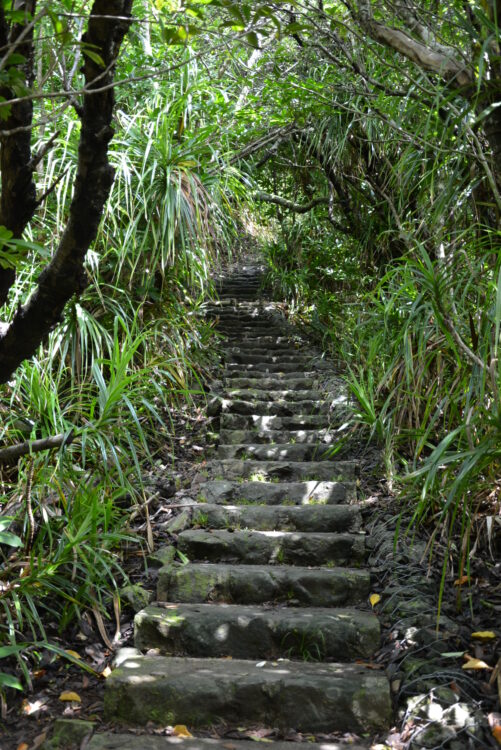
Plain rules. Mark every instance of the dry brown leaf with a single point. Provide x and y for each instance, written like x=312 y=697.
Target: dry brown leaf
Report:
x=496 y=733
x=476 y=664
x=23 y=746
x=70 y=695
x=484 y=635
x=181 y=730
x=461 y=581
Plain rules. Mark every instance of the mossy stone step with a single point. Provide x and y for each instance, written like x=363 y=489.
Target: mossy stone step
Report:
x=122 y=741
x=264 y=422
x=252 y=547
x=234 y=468
x=246 y=368
x=321 y=518
x=274 y=384
x=283 y=408
x=283 y=379
x=305 y=493
x=278 y=452
x=258 y=584
x=274 y=359
x=204 y=692
x=323 y=438
x=241 y=632
x=283 y=394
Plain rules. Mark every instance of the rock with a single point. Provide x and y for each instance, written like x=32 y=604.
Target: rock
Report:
x=197 y=692
x=162 y=556
x=432 y=736
x=137 y=596
x=69 y=734
x=179 y=522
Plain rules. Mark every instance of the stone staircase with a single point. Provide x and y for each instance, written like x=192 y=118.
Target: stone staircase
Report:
x=264 y=624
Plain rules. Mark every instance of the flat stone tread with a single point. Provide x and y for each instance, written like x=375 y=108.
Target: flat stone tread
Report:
x=279 y=408
x=252 y=547
x=309 y=697
x=108 y=741
x=275 y=422
x=272 y=395
x=321 y=518
x=274 y=493
x=273 y=384
x=276 y=452
x=321 y=437
x=283 y=377
x=320 y=470
x=258 y=584
x=256 y=632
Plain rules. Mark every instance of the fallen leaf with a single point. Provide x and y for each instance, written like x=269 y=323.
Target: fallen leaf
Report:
x=374 y=599
x=23 y=746
x=180 y=730
x=74 y=654
x=496 y=733
x=484 y=635
x=476 y=664
x=106 y=672
x=69 y=695
x=461 y=581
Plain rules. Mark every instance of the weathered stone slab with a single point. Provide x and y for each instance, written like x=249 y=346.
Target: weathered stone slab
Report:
x=321 y=518
x=219 y=630
x=155 y=742
x=282 y=470
x=201 y=692
x=258 y=394
x=273 y=384
x=257 y=584
x=274 y=493
x=272 y=547
x=322 y=438
x=251 y=358
x=264 y=422
x=231 y=376
x=278 y=452
x=279 y=408
x=268 y=367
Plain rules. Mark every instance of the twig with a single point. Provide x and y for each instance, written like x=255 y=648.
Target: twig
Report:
x=13 y=452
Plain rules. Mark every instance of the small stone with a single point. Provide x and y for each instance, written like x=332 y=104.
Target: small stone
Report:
x=432 y=735
x=69 y=734
x=179 y=522
x=162 y=556
x=137 y=596
x=446 y=696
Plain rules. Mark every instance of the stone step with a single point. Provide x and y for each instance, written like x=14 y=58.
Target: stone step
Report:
x=276 y=493
x=108 y=741
x=284 y=394
x=274 y=384
x=300 y=360
x=281 y=379
x=321 y=518
x=265 y=422
x=284 y=408
x=234 y=468
x=203 y=692
x=218 y=630
x=257 y=347
x=278 y=452
x=262 y=340
x=323 y=437
x=245 y=369
x=272 y=547
x=260 y=584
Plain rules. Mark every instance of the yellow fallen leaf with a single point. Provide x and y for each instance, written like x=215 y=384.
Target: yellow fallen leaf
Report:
x=180 y=730
x=74 y=654
x=496 y=733
x=106 y=672
x=68 y=695
x=484 y=635
x=476 y=664
x=374 y=599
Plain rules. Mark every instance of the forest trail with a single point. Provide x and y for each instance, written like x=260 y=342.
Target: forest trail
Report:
x=265 y=623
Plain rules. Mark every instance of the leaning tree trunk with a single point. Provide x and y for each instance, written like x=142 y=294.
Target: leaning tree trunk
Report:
x=65 y=275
